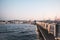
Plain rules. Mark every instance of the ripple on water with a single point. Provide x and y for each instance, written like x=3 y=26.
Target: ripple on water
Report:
x=18 y=32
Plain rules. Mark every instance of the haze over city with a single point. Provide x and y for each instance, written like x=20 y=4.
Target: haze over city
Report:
x=29 y=9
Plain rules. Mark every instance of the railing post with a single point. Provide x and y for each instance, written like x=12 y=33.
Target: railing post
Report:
x=48 y=27
x=45 y=25
x=54 y=29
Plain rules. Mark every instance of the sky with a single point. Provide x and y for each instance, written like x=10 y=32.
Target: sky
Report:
x=29 y=9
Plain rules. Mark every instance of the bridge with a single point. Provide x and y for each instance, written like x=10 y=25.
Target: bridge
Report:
x=48 y=30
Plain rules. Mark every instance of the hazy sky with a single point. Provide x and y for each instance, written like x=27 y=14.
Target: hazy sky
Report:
x=29 y=9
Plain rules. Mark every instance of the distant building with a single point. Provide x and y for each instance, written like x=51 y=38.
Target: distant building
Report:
x=2 y=22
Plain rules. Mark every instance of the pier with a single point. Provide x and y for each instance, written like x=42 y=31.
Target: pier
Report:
x=48 y=30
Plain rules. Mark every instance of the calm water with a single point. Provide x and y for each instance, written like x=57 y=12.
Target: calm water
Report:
x=18 y=32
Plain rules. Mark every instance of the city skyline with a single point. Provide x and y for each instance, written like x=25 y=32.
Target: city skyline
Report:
x=29 y=9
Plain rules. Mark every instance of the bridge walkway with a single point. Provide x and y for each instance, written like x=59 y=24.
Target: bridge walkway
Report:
x=45 y=33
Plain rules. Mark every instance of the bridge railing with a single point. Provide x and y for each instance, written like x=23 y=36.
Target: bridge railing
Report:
x=50 y=27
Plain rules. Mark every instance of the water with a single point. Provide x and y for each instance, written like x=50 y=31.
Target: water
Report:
x=18 y=32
